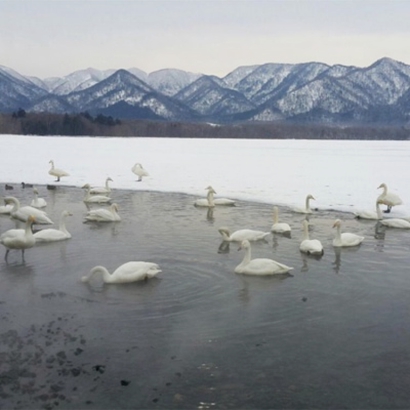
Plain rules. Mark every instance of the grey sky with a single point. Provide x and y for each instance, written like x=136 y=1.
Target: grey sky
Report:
x=55 y=38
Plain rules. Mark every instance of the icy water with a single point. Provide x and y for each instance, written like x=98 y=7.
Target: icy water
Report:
x=334 y=334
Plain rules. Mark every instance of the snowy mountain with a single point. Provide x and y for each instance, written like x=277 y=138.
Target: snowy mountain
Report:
x=308 y=92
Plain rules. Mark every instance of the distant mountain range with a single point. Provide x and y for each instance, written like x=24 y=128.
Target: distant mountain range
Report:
x=309 y=92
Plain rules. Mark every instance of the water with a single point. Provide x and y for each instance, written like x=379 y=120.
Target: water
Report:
x=334 y=334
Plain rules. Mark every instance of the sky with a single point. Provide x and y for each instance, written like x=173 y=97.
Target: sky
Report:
x=277 y=172
x=56 y=37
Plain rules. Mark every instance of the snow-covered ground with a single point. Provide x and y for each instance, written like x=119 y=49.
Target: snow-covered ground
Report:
x=341 y=175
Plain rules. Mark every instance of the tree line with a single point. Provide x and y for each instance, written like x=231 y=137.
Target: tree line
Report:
x=85 y=124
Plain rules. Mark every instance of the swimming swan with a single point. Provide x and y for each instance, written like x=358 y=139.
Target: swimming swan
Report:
x=139 y=170
x=126 y=273
x=19 y=238
x=24 y=212
x=388 y=198
x=310 y=246
x=346 y=238
x=102 y=190
x=94 y=199
x=53 y=235
x=38 y=202
x=103 y=214
x=6 y=209
x=396 y=223
x=58 y=173
x=374 y=215
x=306 y=209
x=210 y=201
x=259 y=266
x=242 y=234
x=279 y=227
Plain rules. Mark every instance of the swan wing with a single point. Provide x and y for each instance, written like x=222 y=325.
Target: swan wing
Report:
x=134 y=271
x=249 y=234
x=50 y=235
x=281 y=227
x=263 y=266
x=396 y=223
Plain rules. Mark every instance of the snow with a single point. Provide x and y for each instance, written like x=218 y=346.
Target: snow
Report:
x=341 y=175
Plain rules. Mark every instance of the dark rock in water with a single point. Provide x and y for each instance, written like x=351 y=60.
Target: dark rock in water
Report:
x=125 y=382
x=51 y=187
x=24 y=185
x=8 y=187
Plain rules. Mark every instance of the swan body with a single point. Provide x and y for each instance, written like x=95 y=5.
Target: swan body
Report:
x=306 y=209
x=96 y=199
x=259 y=266
x=6 y=209
x=345 y=239
x=126 y=273
x=310 y=246
x=210 y=201
x=38 y=202
x=279 y=227
x=53 y=235
x=24 y=212
x=104 y=215
x=102 y=190
x=242 y=234
x=374 y=215
x=396 y=223
x=139 y=170
x=56 y=172
x=388 y=198
x=19 y=238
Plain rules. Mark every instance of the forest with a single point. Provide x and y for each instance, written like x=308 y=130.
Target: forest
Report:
x=84 y=124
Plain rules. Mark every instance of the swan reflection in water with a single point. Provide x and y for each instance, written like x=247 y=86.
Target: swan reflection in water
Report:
x=338 y=256
x=305 y=260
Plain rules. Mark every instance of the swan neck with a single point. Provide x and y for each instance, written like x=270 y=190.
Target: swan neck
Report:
x=338 y=233
x=305 y=232
x=307 y=204
x=247 y=256
x=210 y=198
x=378 y=211
x=275 y=216
x=104 y=272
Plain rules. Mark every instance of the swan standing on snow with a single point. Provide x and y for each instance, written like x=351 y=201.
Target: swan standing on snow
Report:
x=279 y=227
x=126 y=273
x=259 y=266
x=95 y=199
x=58 y=173
x=306 y=209
x=374 y=215
x=53 y=235
x=210 y=201
x=104 y=215
x=310 y=246
x=388 y=198
x=102 y=190
x=38 y=202
x=24 y=212
x=139 y=170
x=345 y=239
x=19 y=238
x=242 y=234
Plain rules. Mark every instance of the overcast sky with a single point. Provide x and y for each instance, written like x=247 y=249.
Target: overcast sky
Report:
x=55 y=38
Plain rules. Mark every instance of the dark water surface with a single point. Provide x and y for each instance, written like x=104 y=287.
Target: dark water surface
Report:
x=335 y=334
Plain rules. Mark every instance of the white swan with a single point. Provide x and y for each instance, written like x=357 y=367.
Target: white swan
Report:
x=310 y=246
x=210 y=201
x=306 y=209
x=96 y=199
x=242 y=234
x=139 y=170
x=19 y=238
x=259 y=266
x=24 y=212
x=53 y=235
x=6 y=209
x=396 y=223
x=126 y=273
x=279 y=227
x=388 y=198
x=38 y=202
x=58 y=173
x=102 y=190
x=374 y=215
x=346 y=238
x=104 y=215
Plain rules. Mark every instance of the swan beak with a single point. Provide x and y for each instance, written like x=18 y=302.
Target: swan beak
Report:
x=31 y=218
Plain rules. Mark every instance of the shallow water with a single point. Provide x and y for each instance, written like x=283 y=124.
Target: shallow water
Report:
x=334 y=334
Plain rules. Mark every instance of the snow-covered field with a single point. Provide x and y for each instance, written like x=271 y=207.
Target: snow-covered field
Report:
x=341 y=175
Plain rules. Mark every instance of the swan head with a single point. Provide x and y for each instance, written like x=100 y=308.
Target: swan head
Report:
x=337 y=223
x=383 y=185
x=210 y=189
x=10 y=200
x=35 y=190
x=114 y=206
x=86 y=186
x=31 y=219
x=109 y=179
x=224 y=229
x=245 y=244
x=310 y=196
